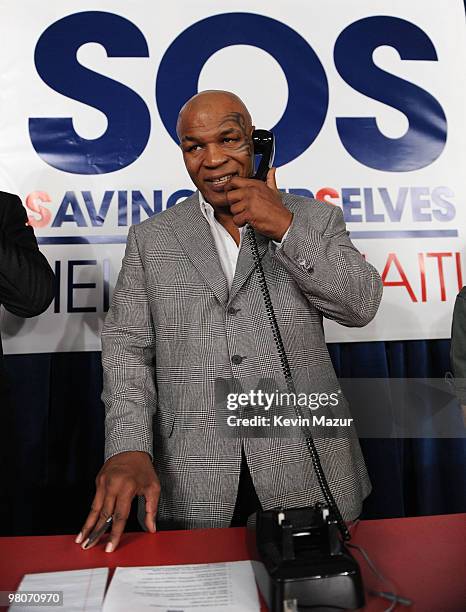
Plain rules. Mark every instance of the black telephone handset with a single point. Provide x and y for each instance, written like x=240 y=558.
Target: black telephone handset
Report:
x=264 y=145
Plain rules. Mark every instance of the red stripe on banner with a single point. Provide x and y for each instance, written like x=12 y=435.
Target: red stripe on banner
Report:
x=404 y=282
x=439 y=257
x=459 y=271
x=422 y=269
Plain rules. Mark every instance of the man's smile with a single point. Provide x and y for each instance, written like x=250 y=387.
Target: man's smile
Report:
x=218 y=183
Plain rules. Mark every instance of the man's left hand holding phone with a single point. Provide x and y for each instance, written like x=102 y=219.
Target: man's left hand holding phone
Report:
x=259 y=204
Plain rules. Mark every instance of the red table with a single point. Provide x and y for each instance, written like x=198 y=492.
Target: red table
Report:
x=424 y=556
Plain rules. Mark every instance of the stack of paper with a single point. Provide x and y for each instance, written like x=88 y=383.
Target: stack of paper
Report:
x=214 y=587
x=83 y=590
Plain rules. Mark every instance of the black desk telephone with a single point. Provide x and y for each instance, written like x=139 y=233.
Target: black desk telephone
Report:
x=305 y=563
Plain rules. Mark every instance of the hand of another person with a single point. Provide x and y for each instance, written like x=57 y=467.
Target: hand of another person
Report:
x=121 y=478
x=259 y=204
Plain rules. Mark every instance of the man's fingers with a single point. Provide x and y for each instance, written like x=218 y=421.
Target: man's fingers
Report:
x=106 y=511
x=121 y=477
x=237 y=208
x=241 y=219
x=238 y=182
x=152 y=494
x=120 y=516
x=271 y=180
x=235 y=195
x=92 y=517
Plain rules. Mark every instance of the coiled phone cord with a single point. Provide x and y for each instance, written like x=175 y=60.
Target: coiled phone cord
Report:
x=291 y=387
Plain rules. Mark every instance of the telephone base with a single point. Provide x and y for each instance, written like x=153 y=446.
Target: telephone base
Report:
x=304 y=564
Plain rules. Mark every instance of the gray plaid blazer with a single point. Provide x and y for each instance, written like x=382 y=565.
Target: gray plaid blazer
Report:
x=173 y=328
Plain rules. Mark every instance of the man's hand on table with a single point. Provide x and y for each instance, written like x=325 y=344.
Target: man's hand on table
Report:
x=121 y=478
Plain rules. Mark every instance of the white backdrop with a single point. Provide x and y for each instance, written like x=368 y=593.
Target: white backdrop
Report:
x=407 y=217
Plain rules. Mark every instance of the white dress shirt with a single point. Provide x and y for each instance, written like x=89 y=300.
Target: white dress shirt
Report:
x=226 y=246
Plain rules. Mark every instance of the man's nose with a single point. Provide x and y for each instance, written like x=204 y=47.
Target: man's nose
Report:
x=214 y=156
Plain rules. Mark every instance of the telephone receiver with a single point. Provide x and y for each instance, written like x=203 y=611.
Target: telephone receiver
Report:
x=264 y=145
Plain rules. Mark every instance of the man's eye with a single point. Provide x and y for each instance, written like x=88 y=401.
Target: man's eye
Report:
x=193 y=148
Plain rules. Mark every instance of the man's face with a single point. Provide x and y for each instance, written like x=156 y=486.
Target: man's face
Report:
x=215 y=136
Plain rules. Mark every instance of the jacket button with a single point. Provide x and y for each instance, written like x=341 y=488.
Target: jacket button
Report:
x=232 y=311
x=304 y=264
x=236 y=359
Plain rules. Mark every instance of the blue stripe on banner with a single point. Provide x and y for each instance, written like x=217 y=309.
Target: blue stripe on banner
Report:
x=81 y=239
x=406 y=234
x=371 y=234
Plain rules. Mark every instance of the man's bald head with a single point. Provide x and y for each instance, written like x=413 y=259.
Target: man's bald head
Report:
x=212 y=101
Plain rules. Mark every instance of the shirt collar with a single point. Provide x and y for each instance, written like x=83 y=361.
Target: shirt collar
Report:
x=206 y=208
x=209 y=213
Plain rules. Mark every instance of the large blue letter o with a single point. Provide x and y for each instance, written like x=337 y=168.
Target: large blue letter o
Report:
x=304 y=115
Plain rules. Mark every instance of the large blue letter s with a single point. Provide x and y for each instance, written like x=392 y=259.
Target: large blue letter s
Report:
x=425 y=139
x=55 y=139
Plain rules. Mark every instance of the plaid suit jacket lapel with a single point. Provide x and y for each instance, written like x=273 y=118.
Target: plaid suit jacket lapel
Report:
x=193 y=232
x=245 y=263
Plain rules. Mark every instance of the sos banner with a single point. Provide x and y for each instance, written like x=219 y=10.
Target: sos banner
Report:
x=366 y=101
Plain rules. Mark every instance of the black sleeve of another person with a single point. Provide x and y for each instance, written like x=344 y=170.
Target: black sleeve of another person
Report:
x=458 y=345
x=26 y=290
x=26 y=279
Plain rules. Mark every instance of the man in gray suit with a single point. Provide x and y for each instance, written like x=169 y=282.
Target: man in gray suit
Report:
x=188 y=310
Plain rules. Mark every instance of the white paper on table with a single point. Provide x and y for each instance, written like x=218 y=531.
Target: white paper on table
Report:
x=83 y=590
x=215 y=587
